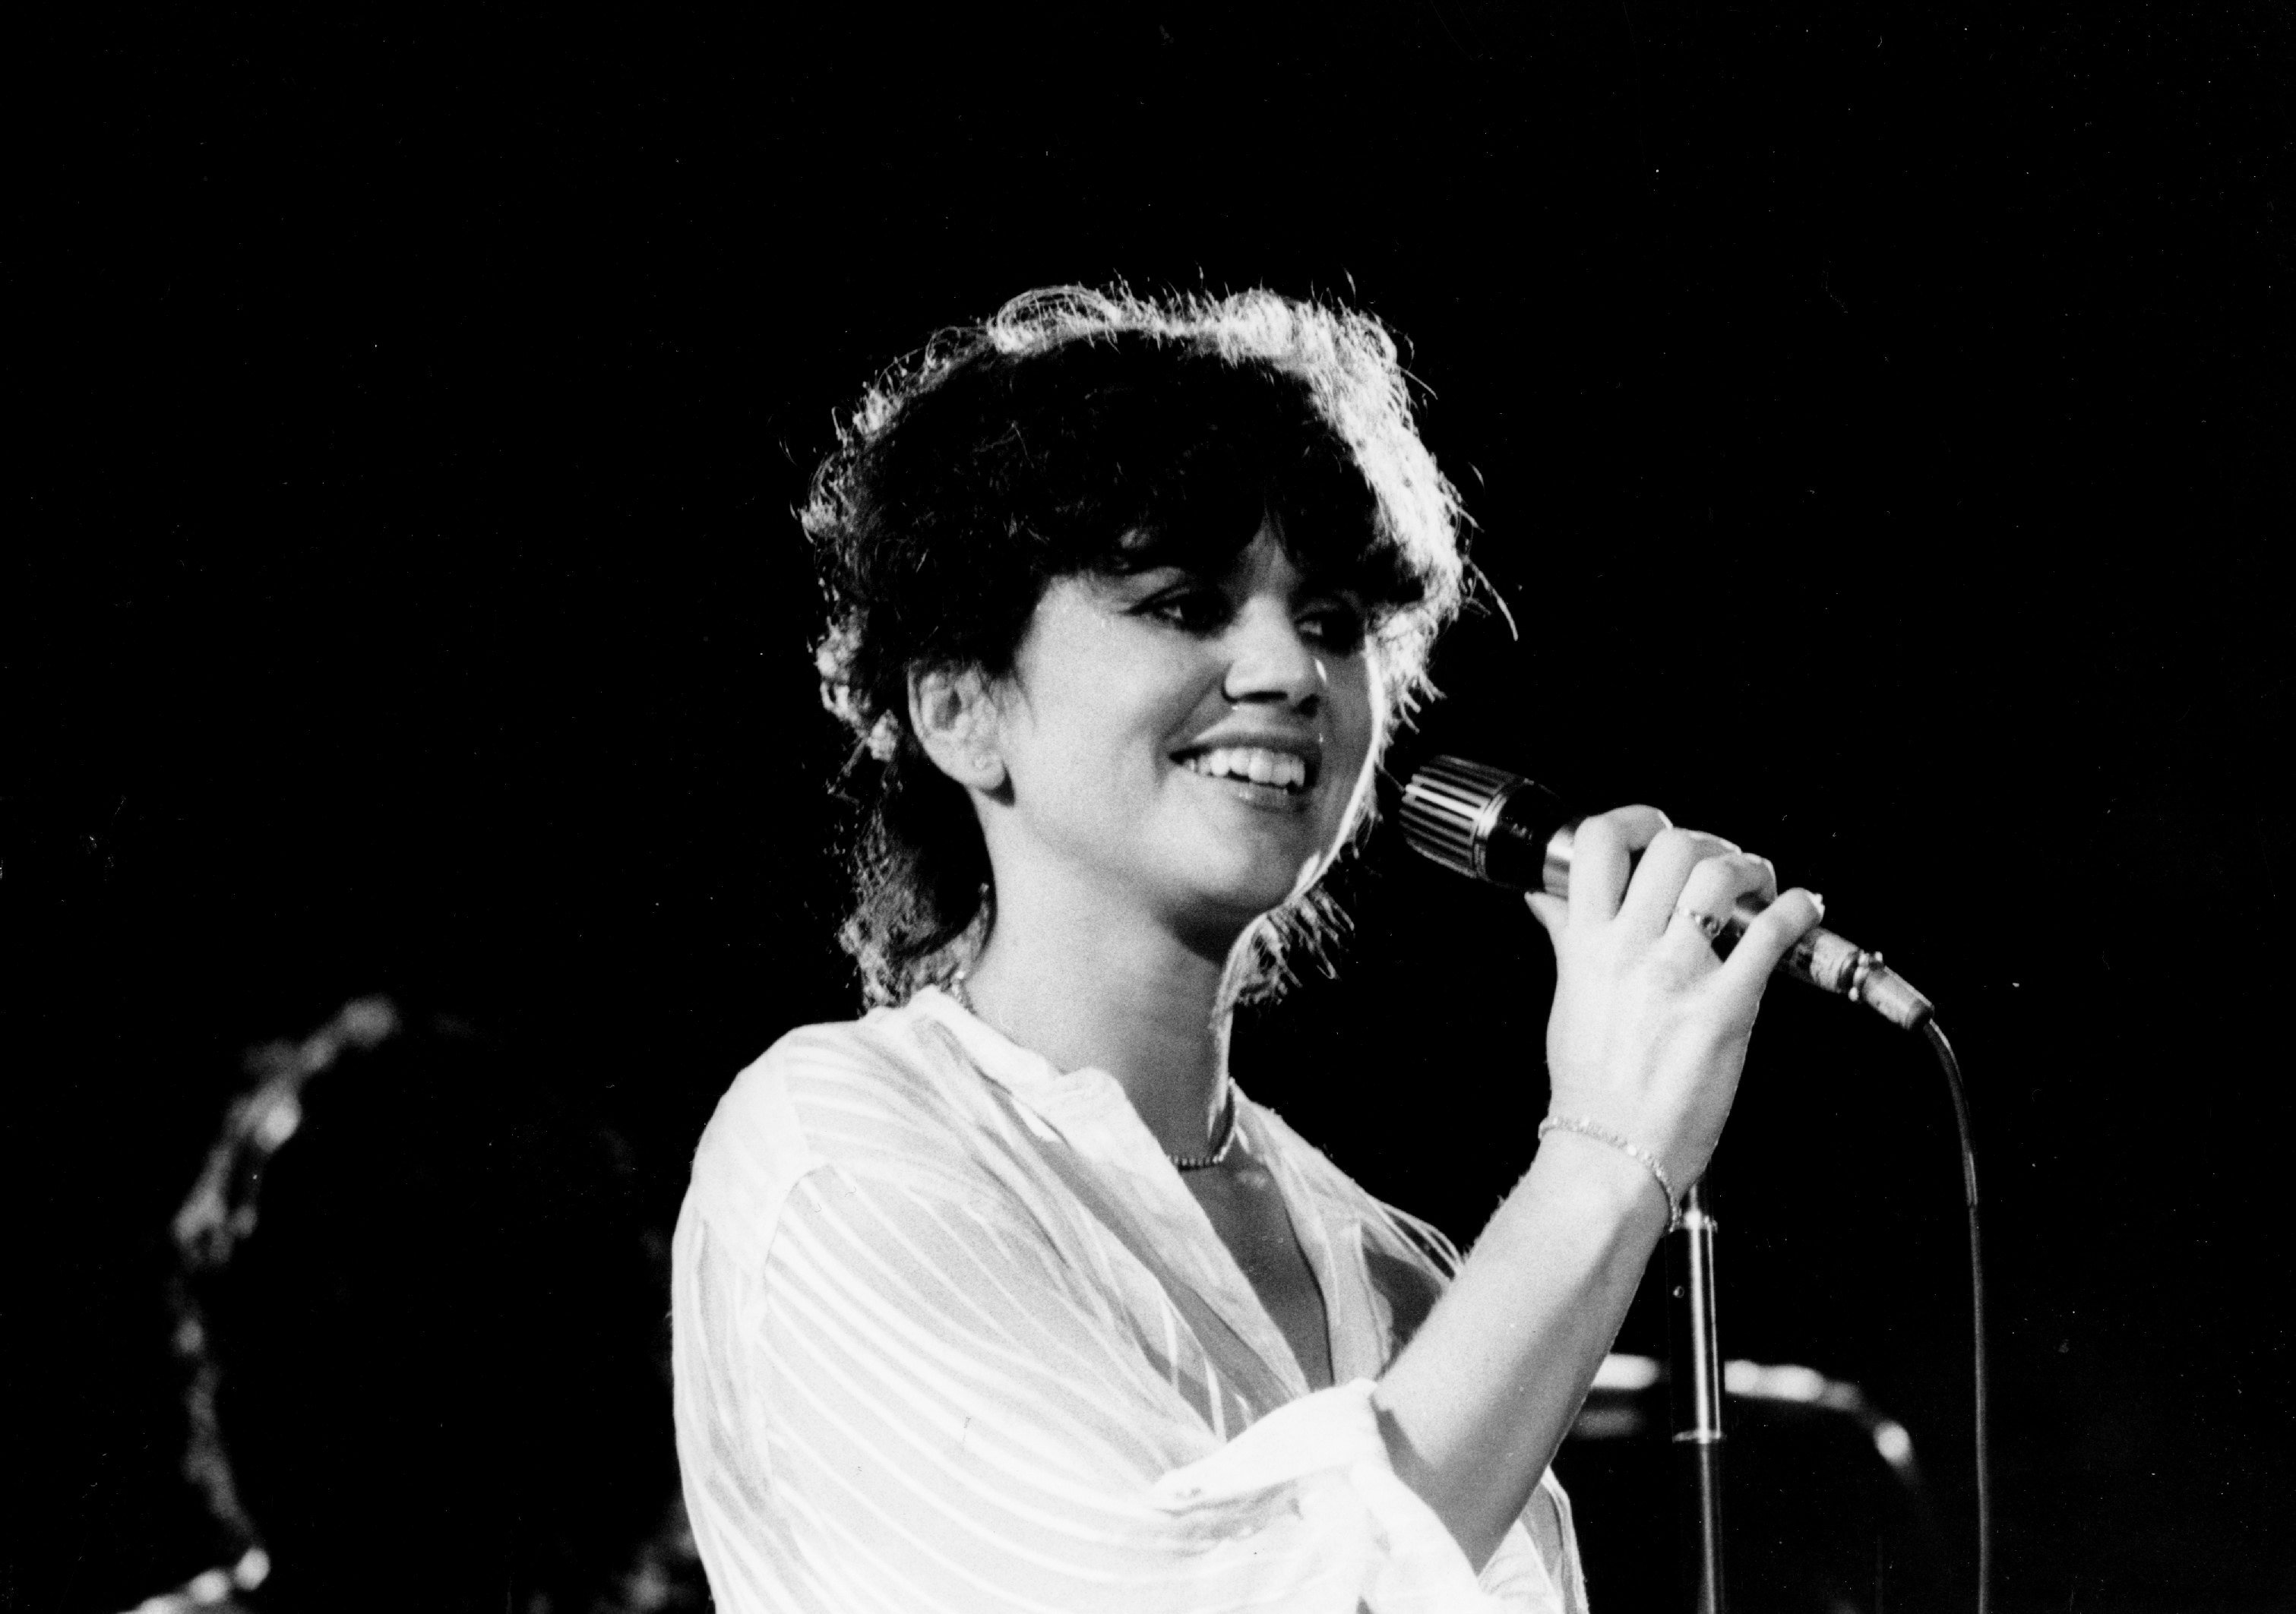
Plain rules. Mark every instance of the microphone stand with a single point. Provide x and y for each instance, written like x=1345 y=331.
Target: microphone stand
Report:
x=1696 y=1386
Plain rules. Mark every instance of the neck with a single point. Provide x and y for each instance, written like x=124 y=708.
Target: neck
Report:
x=1070 y=981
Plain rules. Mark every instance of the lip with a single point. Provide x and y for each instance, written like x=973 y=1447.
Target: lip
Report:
x=1268 y=797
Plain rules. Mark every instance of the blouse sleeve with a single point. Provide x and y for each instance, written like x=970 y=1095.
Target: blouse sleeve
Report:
x=905 y=1403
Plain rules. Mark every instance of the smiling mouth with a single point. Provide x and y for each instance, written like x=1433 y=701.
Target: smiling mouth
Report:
x=1271 y=770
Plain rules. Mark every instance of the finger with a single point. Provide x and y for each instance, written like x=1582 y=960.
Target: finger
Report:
x=1659 y=879
x=1770 y=937
x=1715 y=887
x=1603 y=854
x=1551 y=912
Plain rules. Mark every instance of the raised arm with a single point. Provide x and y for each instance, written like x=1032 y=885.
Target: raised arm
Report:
x=1646 y=1041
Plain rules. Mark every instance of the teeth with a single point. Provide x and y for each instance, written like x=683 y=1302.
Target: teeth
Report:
x=1260 y=766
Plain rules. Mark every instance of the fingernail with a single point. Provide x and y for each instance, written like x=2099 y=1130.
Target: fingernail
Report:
x=1820 y=901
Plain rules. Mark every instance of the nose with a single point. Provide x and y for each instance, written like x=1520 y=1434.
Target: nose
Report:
x=1269 y=662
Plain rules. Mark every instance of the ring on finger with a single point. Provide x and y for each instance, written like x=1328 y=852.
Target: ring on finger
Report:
x=1706 y=923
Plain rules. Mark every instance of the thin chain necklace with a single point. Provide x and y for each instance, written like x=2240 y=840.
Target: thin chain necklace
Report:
x=1224 y=1140
x=1223 y=1136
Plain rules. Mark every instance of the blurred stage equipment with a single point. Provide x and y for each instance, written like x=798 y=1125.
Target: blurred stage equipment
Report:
x=1499 y=827
x=1615 y=1406
x=1832 y=1517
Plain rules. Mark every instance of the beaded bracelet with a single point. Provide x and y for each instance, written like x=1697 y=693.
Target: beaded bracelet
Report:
x=1633 y=1150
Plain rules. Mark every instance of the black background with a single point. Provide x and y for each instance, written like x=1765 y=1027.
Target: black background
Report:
x=1875 y=417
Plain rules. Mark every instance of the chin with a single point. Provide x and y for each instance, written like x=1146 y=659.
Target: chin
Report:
x=1229 y=880
x=1239 y=901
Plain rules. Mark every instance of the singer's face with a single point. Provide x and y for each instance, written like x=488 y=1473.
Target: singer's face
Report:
x=1190 y=746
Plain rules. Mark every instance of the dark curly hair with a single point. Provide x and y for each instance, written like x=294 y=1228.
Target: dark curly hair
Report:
x=1098 y=432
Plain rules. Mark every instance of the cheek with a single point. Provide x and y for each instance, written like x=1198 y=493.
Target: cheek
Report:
x=1357 y=712
x=1110 y=730
x=1357 y=708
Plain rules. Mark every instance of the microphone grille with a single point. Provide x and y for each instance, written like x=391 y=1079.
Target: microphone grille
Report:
x=1446 y=805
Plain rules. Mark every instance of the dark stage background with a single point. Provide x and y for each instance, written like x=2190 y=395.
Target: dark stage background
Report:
x=1875 y=416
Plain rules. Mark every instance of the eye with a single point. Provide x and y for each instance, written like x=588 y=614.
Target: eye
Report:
x=1336 y=624
x=1194 y=608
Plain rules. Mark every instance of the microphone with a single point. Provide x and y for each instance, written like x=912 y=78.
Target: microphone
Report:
x=1496 y=826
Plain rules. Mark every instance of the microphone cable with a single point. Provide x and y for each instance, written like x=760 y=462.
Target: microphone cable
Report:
x=1935 y=1035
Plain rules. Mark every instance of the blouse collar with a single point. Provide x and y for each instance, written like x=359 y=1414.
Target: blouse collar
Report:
x=1092 y=1114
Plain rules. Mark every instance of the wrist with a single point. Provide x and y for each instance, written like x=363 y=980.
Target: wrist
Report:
x=1585 y=1127
x=1602 y=1182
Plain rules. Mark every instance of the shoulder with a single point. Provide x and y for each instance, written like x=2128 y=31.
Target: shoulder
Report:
x=882 y=1097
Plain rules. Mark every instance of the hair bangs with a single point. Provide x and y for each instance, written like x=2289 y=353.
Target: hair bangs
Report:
x=1212 y=493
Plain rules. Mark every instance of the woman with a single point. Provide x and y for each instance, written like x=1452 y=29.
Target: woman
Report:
x=1004 y=1297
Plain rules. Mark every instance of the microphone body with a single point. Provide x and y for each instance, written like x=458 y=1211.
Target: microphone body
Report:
x=1495 y=826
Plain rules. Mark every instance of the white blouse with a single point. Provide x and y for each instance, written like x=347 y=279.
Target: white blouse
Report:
x=952 y=1334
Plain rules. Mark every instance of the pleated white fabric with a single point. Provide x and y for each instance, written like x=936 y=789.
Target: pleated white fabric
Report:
x=951 y=1334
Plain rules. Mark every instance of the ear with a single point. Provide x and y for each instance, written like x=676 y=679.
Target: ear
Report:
x=953 y=715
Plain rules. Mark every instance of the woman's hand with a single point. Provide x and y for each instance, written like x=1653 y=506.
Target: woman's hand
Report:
x=1650 y=1029
x=1647 y=1038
